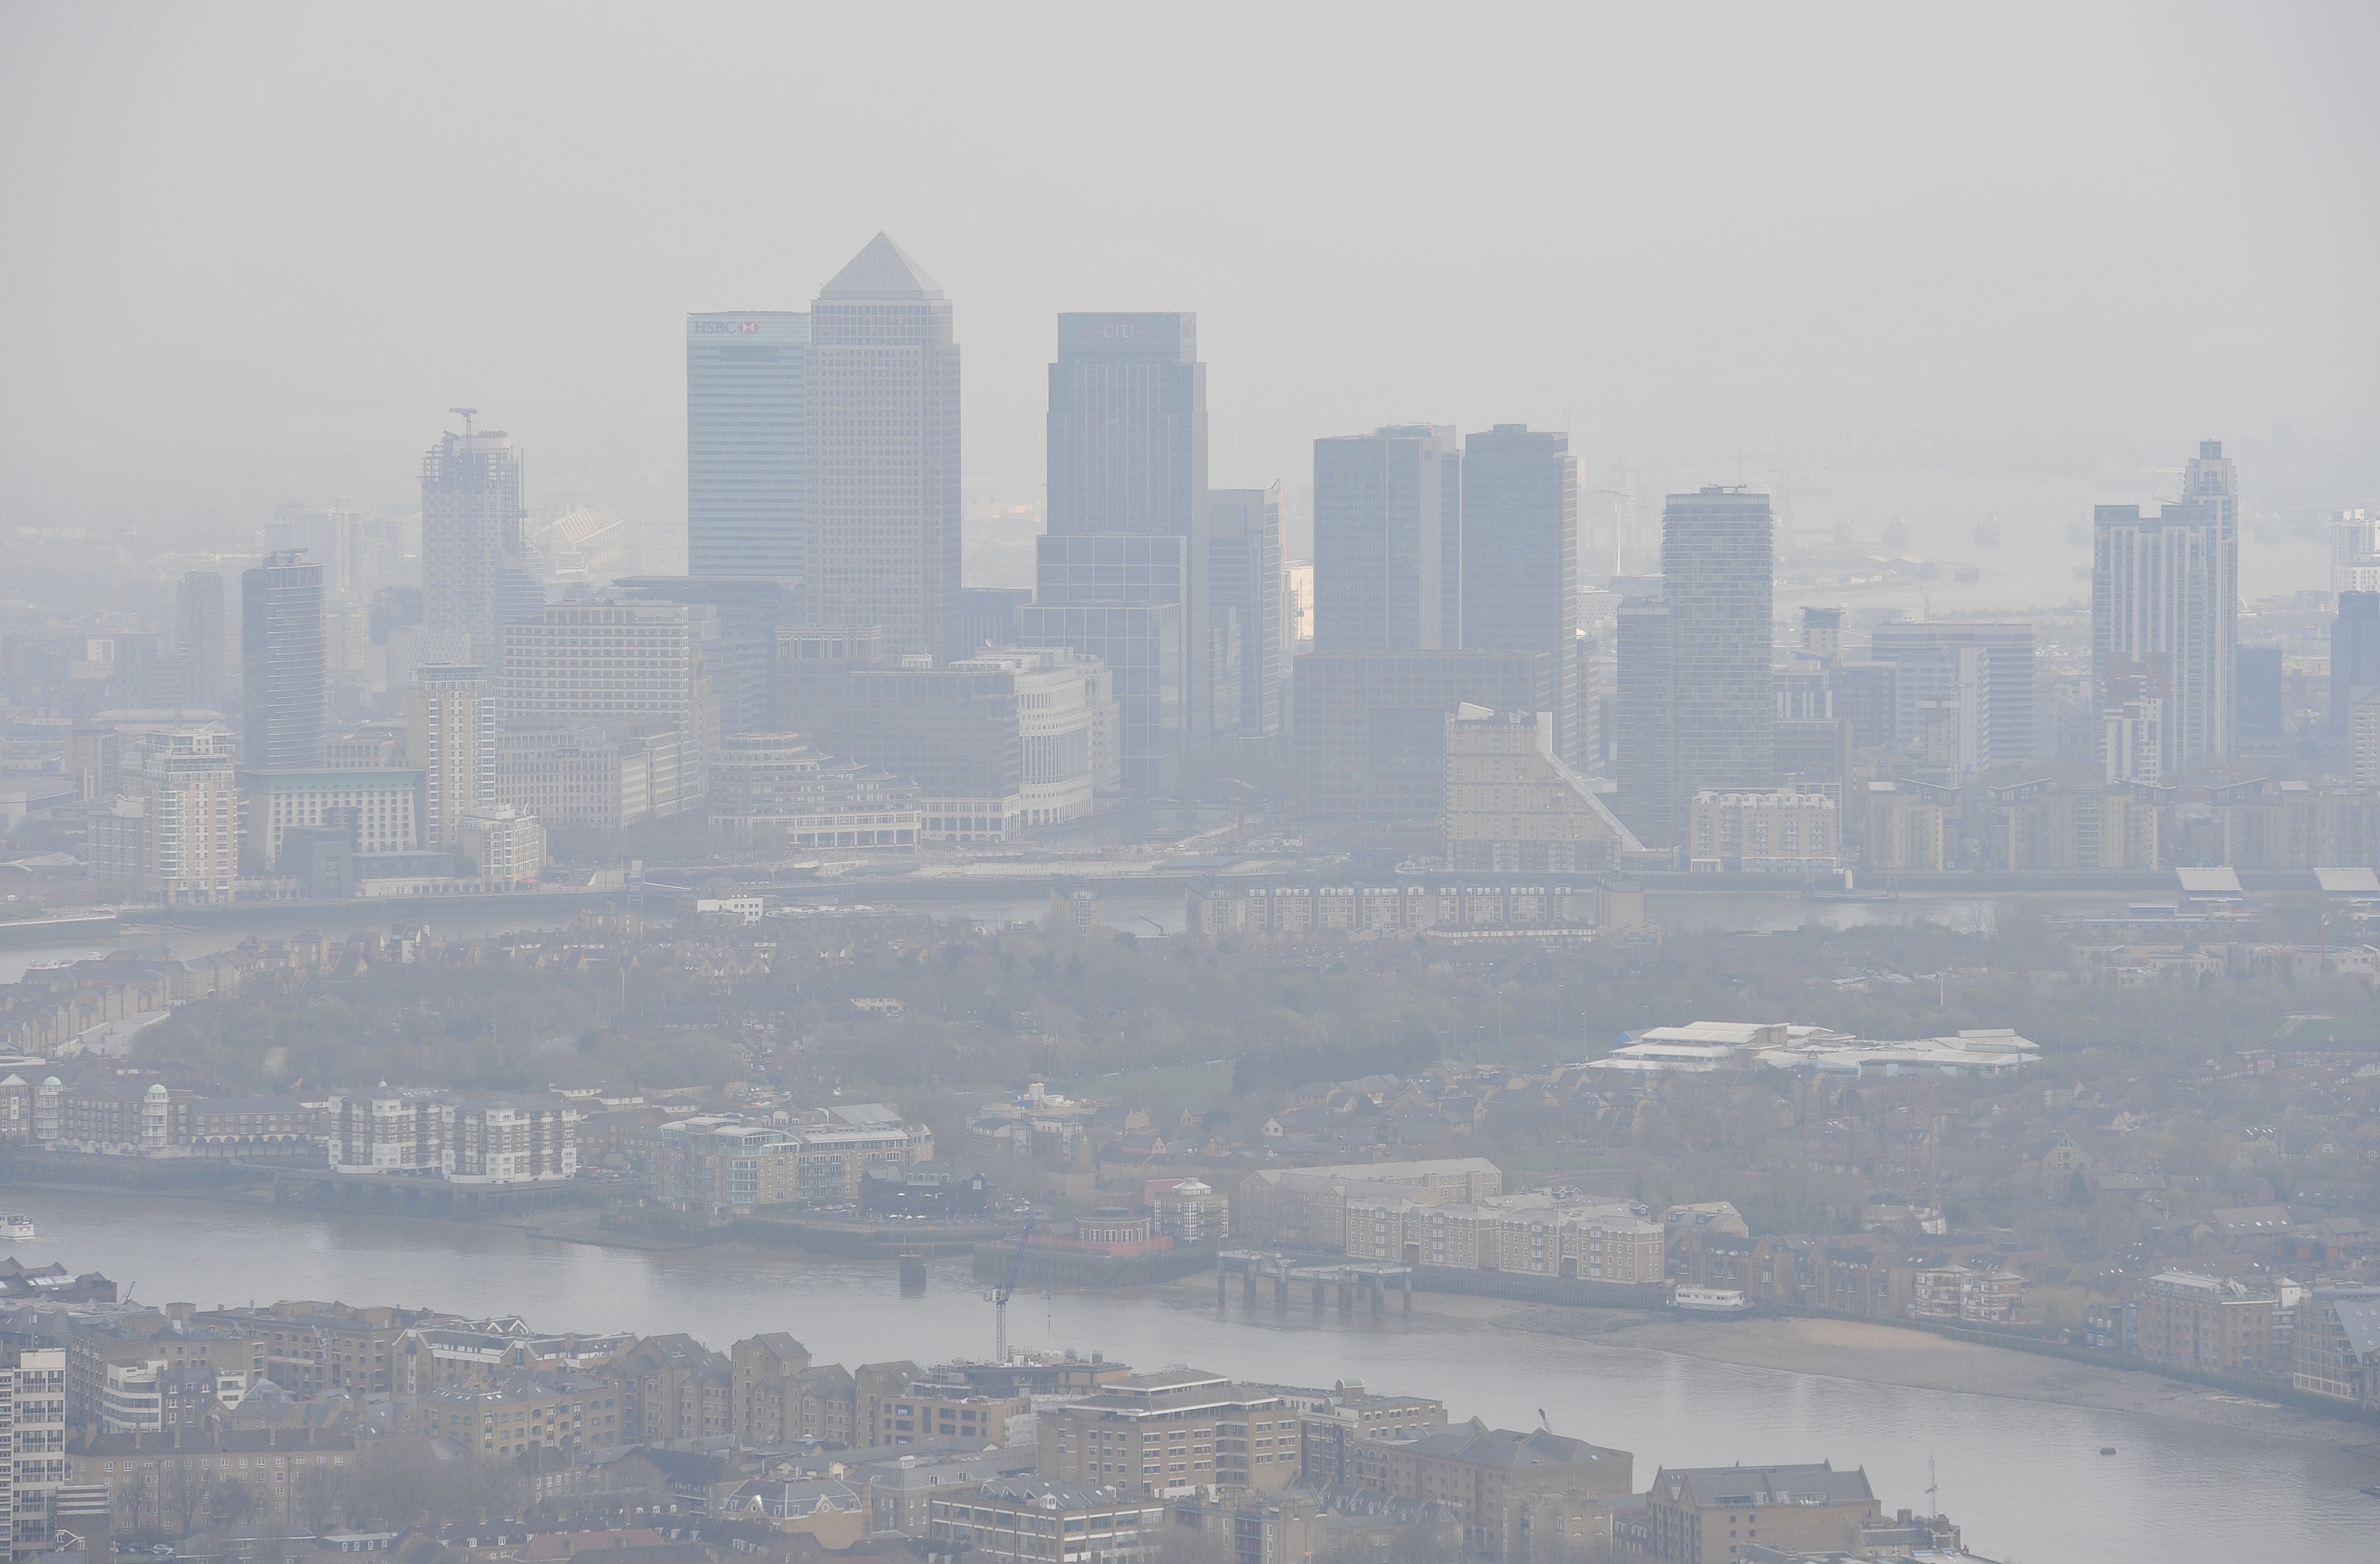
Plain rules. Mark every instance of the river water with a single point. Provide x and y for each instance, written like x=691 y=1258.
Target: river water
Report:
x=2024 y=1479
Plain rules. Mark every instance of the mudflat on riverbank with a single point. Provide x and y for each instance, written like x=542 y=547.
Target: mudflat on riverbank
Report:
x=1885 y=1354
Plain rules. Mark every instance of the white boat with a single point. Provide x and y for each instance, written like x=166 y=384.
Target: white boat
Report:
x=1709 y=1300
x=15 y=1229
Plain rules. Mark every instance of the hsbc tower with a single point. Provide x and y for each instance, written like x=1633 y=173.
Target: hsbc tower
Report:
x=747 y=444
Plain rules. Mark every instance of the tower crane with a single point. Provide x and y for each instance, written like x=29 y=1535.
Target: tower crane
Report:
x=1000 y=1298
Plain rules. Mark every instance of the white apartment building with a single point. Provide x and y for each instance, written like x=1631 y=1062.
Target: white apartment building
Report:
x=172 y=835
x=501 y=1141
x=1065 y=708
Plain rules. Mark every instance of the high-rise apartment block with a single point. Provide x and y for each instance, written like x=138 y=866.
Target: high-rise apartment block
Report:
x=450 y=739
x=199 y=635
x=1697 y=702
x=1381 y=559
x=746 y=444
x=476 y=570
x=1246 y=600
x=33 y=1444
x=1519 y=565
x=883 y=413
x=2164 y=606
x=1122 y=573
x=286 y=703
x=1513 y=806
x=172 y=835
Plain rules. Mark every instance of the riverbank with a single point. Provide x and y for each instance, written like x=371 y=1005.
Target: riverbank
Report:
x=1886 y=1355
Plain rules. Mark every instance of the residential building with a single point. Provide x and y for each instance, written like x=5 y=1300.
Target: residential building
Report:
x=390 y=1130
x=1369 y=742
x=1380 y=536
x=1906 y=829
x=1785 y=831
x=33 y=1463
x=165 y=1482
x=747 y=444
x=2164 y=599
x=1519 y=1495
x=1696 y=705
x=502 y=848
x=2334 y=1345
x=1715 y=1514
x=883 y=413
x=2262 y=687
x=1246 y=601
x=285 y=704
x=1153 y=1435
x=1512 y=806
x=512 y=1413
x=1332 y=1427
x=505 y=1141
x=1128 y=528
x=171 y=838
x=1034 y=1521
x=450 y=739
x=2208 y=1325
x=1307 y=1206
x=1521 y=568
x=476 y=573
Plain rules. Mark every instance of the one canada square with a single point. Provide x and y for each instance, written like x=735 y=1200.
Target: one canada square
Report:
x=883 y=416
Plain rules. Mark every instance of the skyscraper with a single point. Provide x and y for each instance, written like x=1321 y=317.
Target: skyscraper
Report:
x=1379 y=539
x=198 y=634
x=2354 y=654
x=884 y=504
x=746 y=442
x=2164 y=608
x=1245 y=580
x=1520 y=563
x=475 y=573
x=1122 y=571
x=1697 y=701
x=450 y=738
x=287 y=687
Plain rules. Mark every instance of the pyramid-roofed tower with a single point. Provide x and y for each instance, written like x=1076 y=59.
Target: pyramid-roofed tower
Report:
x=882 y=270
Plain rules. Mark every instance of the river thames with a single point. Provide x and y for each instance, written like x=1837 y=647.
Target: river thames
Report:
x=2023 y=1477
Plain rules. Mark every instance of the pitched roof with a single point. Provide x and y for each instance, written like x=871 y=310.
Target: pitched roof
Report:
x=882 y=270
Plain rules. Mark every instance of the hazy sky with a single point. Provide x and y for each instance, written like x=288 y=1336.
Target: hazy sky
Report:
x=250 y=252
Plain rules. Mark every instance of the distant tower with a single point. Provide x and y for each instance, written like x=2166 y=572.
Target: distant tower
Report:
x=1380 y=556
x=198 y=631
x=1697 y=696
x=450 y=738
x=286 y=686
x=2165 y=609
x=746 y=444
x=1120 y=574
x=1519 y=564
x=475 y=573
x=883 y=402
x=1247 y=578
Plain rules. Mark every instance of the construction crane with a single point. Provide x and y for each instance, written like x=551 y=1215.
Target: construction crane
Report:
x=1000 y=1299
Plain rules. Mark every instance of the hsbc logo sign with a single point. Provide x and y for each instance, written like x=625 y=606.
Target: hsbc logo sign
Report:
x=722 y=328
